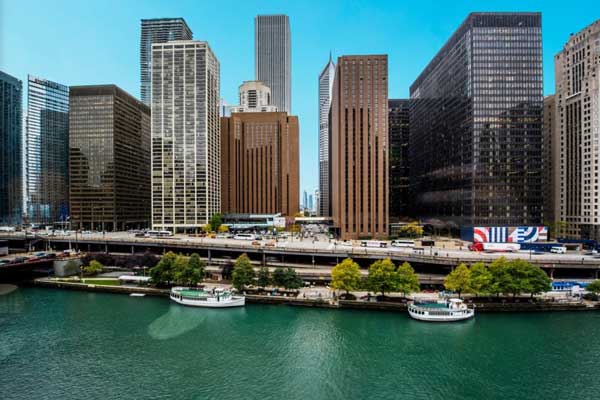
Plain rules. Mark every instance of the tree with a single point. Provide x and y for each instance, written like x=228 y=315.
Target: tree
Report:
x=501 y=279
x=519 y=274
x=292 y=279
x=408 y=281
x=539 y=282
x=215 y=222
x=243 y=273
x=481 y=278
x=162 y=273
x=383 y=276
x=279 y=277
x=190 y=271
x=345 y=276
x=223 y=229
x=459 y=280
x=94 y=268
x=263 y=277
x=412 y=229
x=206 y=228
x=594 y=287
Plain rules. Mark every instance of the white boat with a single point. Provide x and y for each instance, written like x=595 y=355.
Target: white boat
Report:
x=137 y=294
x=442 y=311
x=217 y=298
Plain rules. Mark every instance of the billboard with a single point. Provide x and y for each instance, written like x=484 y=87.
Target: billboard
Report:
x=505 y=234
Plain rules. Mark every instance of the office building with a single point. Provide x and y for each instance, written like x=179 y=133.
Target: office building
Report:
x=47 y=152
x=186 y=143
x=577 y=125
x=255 y=96
x=550 y=142
x=359 y=147
x=11 y=150
x=260 y=163
x=273 y=58
x=157 y=30
x=476 y=137
x=109 y=159
x=399 y=132
x=325 y=91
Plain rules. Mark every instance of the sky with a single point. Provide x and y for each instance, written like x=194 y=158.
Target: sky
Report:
x=76 y=42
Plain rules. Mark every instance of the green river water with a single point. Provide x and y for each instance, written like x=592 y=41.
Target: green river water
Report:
x=73 y=345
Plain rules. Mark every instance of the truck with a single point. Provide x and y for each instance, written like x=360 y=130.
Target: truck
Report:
x=495 y=247
x=539 y=246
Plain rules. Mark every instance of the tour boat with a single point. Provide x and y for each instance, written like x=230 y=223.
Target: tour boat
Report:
x=442 y=311
x=216 y=298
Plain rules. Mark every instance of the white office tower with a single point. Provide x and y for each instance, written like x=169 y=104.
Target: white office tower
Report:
x=325 y=92
x=186 y=142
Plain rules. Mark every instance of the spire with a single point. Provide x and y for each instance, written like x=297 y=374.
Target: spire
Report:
x=330 y=55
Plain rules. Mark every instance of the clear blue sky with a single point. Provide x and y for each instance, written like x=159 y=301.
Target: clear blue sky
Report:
x=85 y=42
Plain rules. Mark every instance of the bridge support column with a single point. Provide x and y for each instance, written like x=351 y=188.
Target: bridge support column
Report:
x=264 y=259
x=551 y=273
x=597 y=274
x=106 y=247
x=132 y=250
x=209 y=257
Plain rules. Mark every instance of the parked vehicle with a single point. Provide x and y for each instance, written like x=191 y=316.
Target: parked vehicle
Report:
x=403 y=243
x=539 y=246
x=245 y=236
x=495 y=247
x=373 y=243
x=558 y=250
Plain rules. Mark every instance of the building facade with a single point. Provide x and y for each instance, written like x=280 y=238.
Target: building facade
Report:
x=260 y=171
x=399 y=133
x=186 y=142
x=359 y=147
x=47 y=152
x=109 y=159
x=157 y=30
x=476 y=125
x=273 y=58
x=11 y=150
x=325 y=92
x=254 y=96
x=577 y=125
x=549 y=165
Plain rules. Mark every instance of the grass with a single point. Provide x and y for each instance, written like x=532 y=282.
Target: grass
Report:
x=102 y=282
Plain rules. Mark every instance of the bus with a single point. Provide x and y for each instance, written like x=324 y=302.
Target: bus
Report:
x=373 y=243
x=403 y=243
x=159 y=234
x=245 y=236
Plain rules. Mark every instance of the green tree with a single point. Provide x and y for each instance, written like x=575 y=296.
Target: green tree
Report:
x=346 y=276
x=243 y=273
x=594 y=287
x=279 y=277
x=94 y=268
x=481 y=278
x=383 y=276
x=408 y=281
x=215 y=222
x=519 y=277
x=539 y=281
x=459 y=280
x=501 y=279
x=263 y=277
x=190 y=271
x=163 y=272
x=292 y=279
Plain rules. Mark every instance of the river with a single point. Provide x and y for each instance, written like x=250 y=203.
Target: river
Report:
x=74 y=345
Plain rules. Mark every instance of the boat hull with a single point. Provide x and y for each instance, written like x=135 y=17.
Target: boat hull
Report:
x=437 y=315
x=234 y=302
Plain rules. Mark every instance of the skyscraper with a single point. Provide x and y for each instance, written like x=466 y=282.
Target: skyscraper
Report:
x=254 y=96
x=476 y=124
x=186 y=144
x=272 y=58
x=399 y=132
x=325 y=91
x=550 y=147
x=577 y=125
x=157 y=30
x=11 y=148
x=359 y=147
x=109 y=159
x=47 y=151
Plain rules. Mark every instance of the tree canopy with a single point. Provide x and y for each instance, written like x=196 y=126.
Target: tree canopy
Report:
x=243 y=273
x=287 y=278
x=408 y=281
x=594 y=287
x=383 y=276
x=481 y=279
x=263 y=277
x=459 y=280
x=346 y=276
x=162 y=273
x=215 y=222
x=188 y=272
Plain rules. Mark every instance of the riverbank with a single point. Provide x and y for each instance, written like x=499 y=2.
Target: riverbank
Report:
x=327 y=303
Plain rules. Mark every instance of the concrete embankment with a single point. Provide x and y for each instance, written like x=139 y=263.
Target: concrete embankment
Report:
x=522 y=306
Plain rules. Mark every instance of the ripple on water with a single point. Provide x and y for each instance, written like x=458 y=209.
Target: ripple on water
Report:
x=175 y=322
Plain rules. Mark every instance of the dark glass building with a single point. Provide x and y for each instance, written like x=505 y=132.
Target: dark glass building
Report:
x=398 y=128
x=109 y=159
x=157 y=30
x=11 y=150
x=476 y=125
x=47 y=151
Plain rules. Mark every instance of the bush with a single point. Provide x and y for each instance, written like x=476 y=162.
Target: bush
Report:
x=93 y=269
x=590 y=296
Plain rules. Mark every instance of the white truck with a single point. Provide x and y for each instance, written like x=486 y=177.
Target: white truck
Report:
x=495 y=247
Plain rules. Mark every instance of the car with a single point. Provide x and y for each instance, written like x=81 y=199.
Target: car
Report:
x=558 y=250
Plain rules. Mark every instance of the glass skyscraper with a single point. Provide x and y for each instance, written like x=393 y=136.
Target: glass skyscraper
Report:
x=157 y=30
x=399 y=132
x=11 y=150
x=476 y=124
x=47 y=151
x=325 y=92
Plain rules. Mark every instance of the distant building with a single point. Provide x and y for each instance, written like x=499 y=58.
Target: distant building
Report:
x=260 y=163
x=255 y=96
x=186 y=141
x=47 y=152
x=550 y=146
x=310 y=202
x=224 y=109
x=157 y=30
x=109 y=159
x=359 y=147
x=399 y=133
x=577 y=125
x=325 y=92
x=273 y=58
x=11 y=150
x=476 y=138
x=305 y=201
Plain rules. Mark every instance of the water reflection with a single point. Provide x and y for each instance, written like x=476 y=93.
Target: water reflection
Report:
x=175 y=322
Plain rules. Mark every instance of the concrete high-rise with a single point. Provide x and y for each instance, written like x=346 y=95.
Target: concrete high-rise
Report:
x=11 y=150
x=109 y=159
x=476 y=125
x=325 y=92
x=47 y=152
x=157 y=30
x=359 y=147
x=399 y=133
x=550 y=146
x=186 y=143
x=577 y=125
x=272 y=58
x=260 y=163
